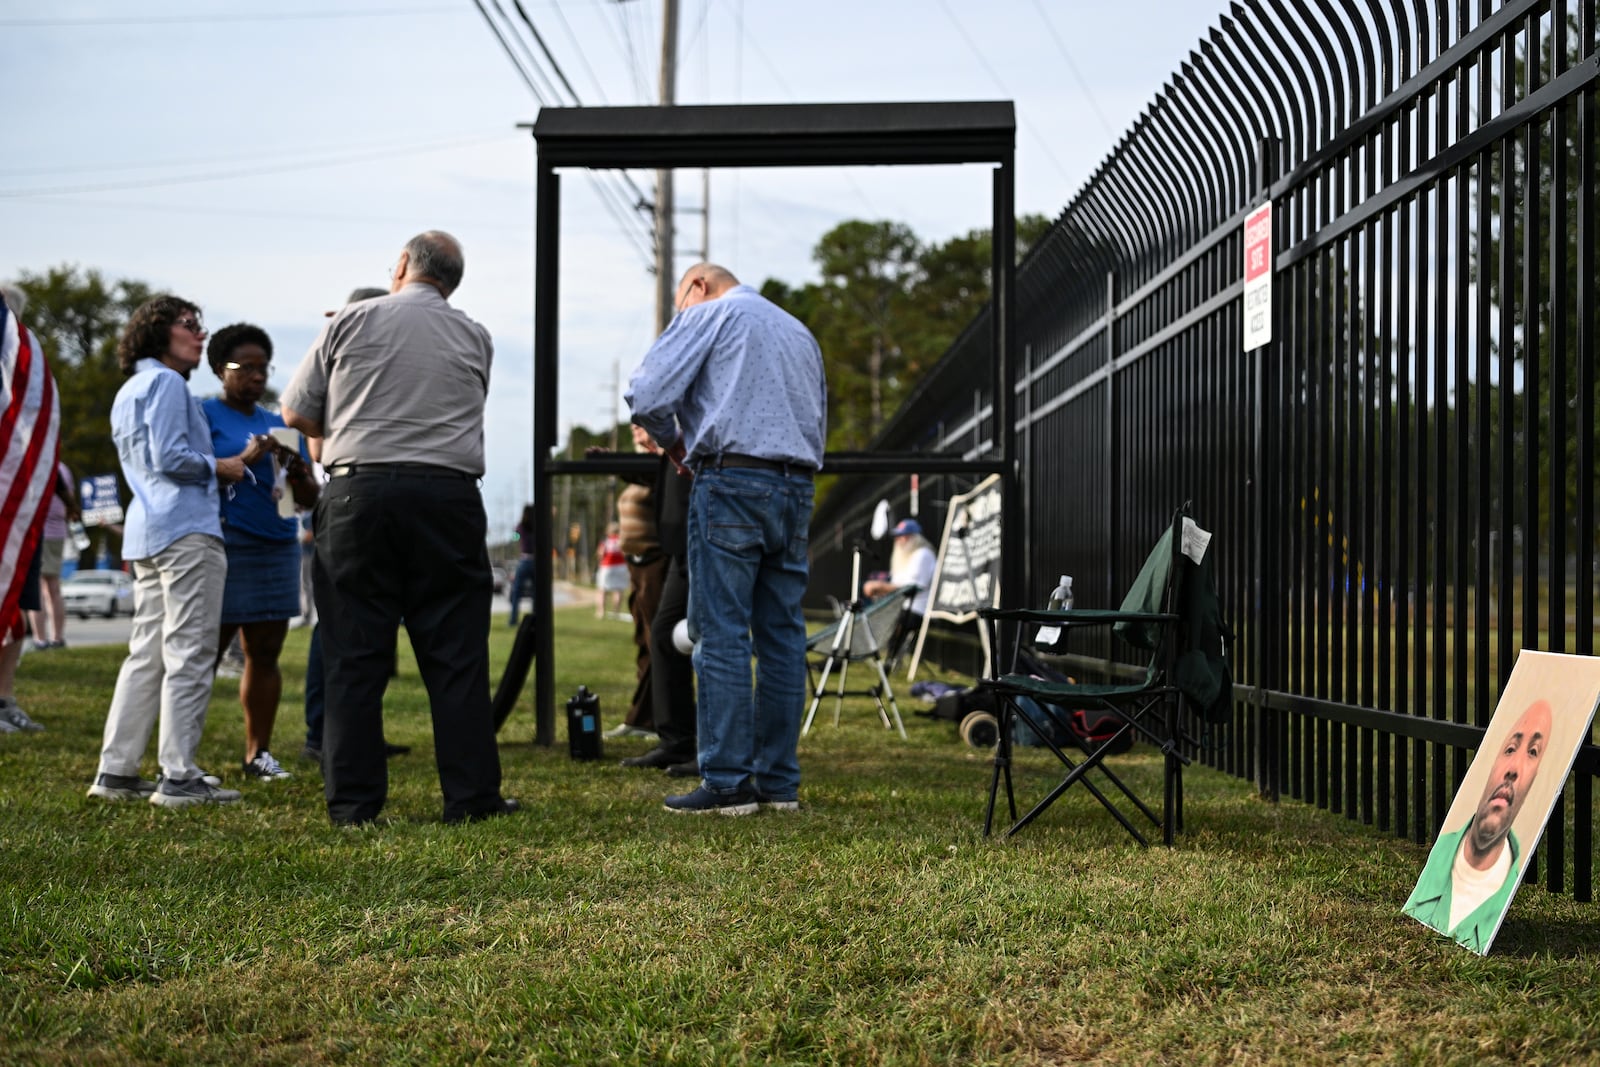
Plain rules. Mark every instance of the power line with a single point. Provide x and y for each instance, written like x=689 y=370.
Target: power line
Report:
x=761 y=54
x=255 y=16
x=527 y=66
x=1077 y=76
x=276 y=155
x=699 y=28
x=191 y=208
x=526 y=80
x=746 y=40
x=249 y=172
x=635 y=64
x=626 y=222
x=549 y=58
x=532 y=62
x=578 y=47
x=624 y=51
x=577 y=101
x=984 y=62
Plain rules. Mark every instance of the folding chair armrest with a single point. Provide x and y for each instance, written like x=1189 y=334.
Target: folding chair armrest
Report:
x=1075 y=616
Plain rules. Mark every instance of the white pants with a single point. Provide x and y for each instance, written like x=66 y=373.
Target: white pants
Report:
x=172 y=652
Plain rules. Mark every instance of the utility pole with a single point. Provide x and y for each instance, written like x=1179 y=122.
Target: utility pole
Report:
x=666 y=276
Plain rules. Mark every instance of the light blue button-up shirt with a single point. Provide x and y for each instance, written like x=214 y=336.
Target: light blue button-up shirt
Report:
x=164 y=443
x=737 y=374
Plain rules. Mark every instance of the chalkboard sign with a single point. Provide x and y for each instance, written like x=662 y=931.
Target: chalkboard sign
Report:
x=967 y=576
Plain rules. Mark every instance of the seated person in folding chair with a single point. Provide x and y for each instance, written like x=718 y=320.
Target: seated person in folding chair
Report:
x=912 y=563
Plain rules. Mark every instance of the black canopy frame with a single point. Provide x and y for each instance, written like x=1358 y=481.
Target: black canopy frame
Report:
x=767 y=135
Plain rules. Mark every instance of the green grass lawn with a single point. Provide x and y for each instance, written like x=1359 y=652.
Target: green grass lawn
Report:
x=875 y=927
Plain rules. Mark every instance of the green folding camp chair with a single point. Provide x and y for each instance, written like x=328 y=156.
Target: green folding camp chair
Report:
x=1171 y=613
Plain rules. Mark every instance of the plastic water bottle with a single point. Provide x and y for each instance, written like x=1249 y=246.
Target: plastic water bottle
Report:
x=1060 y=600
x=583 y=725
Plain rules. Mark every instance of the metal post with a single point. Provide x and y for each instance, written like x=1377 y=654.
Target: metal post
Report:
x=1109 y=588
x=1267 y=504
x=547 y=254
x=1014 y=562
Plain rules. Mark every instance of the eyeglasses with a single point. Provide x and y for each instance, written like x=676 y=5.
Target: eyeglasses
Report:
x=193 y=326
x=678 y=302
x=263 y=369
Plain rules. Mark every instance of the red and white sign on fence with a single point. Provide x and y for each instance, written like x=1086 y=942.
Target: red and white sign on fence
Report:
x=1258 y=277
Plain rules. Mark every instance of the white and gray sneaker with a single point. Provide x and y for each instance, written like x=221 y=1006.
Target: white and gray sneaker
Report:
x=188 y=792
x=205 y=776
x=121 y=787
x=622 y=730
x=265 y=767
x=14 y=716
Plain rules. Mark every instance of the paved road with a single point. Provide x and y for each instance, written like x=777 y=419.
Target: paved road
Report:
x=98 y=631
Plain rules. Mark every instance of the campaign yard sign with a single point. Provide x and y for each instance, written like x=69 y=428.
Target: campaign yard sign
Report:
x=97 y=495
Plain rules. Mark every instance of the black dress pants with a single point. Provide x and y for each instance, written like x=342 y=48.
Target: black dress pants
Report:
x=395 y=544
x=671 y=672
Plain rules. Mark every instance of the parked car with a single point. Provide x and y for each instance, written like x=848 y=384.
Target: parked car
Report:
x=98 y=593
x=498 y=574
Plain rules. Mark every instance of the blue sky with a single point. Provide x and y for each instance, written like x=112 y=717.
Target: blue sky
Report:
x=262 y=160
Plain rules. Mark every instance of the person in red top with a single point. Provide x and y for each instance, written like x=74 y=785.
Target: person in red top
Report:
x=613 y=574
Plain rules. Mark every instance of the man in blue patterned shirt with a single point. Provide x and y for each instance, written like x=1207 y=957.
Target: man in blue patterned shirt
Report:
x=734 y=390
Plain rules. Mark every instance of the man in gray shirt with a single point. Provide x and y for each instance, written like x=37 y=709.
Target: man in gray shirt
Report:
x=396 y=387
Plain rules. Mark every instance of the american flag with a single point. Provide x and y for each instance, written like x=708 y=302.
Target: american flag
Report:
x=30 y=419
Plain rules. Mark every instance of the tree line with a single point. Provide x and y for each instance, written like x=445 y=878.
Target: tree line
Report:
x=886 y=307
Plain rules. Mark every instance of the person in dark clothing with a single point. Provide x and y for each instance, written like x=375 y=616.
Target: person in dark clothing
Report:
x=671 y=672
x=647 y=569
x=522 y=580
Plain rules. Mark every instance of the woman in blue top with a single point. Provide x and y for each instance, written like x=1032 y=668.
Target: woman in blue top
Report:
x=263 y=589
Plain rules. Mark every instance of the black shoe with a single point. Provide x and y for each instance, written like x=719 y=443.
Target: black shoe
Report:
x=690 y=769
x=508 y=806
x=391 y=751
x=655 y=758
x=312 y=753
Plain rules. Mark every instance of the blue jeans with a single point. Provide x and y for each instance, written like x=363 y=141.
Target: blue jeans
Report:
x=521 y=585
x=748 y=533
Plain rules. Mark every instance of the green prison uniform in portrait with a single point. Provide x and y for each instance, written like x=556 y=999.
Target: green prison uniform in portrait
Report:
x=1430 y=901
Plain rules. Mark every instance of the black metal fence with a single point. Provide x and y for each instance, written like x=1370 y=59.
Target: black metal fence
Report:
x=1402 y=483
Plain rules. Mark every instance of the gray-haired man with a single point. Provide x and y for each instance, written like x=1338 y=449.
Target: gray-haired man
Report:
x=396 y=387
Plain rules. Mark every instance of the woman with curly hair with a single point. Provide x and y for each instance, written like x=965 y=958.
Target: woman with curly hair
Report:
x=263 y=588
x=173 y=538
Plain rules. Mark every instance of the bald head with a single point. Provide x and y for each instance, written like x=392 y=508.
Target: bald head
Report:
x=1511 y=775
x=433 y=257
x=702 y=282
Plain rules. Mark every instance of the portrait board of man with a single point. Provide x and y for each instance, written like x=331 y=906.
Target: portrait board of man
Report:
x=1500 y=810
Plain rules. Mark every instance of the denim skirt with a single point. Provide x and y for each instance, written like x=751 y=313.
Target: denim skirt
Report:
x=263 y=582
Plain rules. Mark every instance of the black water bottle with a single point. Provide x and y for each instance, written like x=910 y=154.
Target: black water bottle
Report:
x=583 y=725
